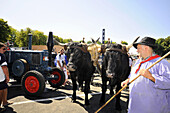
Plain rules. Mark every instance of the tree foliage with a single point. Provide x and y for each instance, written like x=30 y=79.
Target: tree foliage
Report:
x=22 y=39
x=14 y=33
x=4 y=30
x=124 y=42
x=62 y=40
x=163 y=46
x=67 y=40
x=38 y=38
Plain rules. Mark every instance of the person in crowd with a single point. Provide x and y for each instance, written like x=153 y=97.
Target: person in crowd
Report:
x=130 y=61
x=150 y=93
x=61 y=63
x=4 y=78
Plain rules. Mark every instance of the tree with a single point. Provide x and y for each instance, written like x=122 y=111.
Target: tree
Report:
x=163 y=46
x=4 y=30
x=124 y=42
x=67 y=40
x=38 y=38
x=88 y=42
x=58 y=38
x=159 y=50
x=22 y=37
x=14 y=33
x=167 y=44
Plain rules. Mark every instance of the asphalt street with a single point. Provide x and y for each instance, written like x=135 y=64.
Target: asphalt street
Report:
x=59 y=100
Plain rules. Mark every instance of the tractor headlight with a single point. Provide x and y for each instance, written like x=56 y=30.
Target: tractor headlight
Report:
x=45 y=58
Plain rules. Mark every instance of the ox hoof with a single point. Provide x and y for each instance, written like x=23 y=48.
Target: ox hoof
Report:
x=73 y=100
x=87 y=106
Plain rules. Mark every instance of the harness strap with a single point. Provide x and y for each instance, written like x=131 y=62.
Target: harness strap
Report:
x=116 y=49
x=84 y=49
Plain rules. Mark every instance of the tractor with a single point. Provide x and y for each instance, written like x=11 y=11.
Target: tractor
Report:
x=32 y=68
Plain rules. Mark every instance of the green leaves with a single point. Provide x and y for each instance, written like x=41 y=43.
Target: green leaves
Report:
x=163 y=46
x=4 y=30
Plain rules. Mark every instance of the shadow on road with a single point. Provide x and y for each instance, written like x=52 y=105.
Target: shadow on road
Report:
x=109 y=108
x=54 y=92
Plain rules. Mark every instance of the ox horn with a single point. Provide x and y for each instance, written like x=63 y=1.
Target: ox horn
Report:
x=129 y=46
x=58 y=43
x=61 y=44
x=97 y=40
x=93 y=41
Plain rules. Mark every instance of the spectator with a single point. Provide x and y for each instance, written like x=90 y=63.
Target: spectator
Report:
x=4 y=78
x=61 y=63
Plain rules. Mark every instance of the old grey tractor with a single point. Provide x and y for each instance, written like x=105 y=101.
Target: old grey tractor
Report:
x=32 y=68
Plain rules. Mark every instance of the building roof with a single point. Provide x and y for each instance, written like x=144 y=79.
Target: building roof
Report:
x=56 y=48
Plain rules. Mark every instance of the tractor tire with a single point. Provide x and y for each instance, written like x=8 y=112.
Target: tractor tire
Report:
x=55 y=83
x=33 y=83
x=19 y=67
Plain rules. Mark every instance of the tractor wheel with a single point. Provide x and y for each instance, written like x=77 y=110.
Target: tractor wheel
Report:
x=33 y=83
x=19 y=67
x=59 y=74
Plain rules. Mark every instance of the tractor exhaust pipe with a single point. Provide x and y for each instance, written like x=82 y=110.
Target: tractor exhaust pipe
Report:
x=50 y=45
x=30 y=41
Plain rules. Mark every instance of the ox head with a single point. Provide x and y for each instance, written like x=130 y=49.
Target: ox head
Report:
x=111 y=61
x=76 y=53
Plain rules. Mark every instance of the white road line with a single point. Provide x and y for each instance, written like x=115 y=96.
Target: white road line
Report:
x=54 y=98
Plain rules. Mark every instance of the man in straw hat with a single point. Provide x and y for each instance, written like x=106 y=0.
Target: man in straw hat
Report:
x=150 y=93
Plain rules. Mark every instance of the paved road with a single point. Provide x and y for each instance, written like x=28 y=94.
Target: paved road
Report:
x=59 y=100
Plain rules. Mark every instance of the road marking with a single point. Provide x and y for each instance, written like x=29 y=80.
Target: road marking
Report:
x=54 y=98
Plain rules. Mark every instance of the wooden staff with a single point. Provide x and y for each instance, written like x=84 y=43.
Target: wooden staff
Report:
x=131 y=82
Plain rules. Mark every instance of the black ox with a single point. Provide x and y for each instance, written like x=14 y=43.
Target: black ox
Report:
x=80 y=66
x=115 y=69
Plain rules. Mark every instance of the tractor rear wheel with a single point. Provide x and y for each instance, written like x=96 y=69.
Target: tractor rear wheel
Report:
x=33 y=83
x=19 y=67
x=59 y=74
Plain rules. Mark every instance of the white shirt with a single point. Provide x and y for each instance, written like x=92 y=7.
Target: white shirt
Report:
x=60 y=58
x=2 y=63
x=130 y=62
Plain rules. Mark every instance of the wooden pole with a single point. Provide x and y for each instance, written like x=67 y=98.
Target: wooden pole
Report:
x=131 y=82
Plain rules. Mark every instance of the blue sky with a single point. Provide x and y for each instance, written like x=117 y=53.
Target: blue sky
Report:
x=121 y=19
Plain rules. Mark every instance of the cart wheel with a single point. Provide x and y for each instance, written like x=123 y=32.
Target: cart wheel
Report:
x=59 y=74
x=33 y=83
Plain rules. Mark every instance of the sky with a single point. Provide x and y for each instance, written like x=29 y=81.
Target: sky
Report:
x=123 y=20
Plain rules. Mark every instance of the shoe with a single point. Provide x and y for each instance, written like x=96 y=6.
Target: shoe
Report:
x=2 y=109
